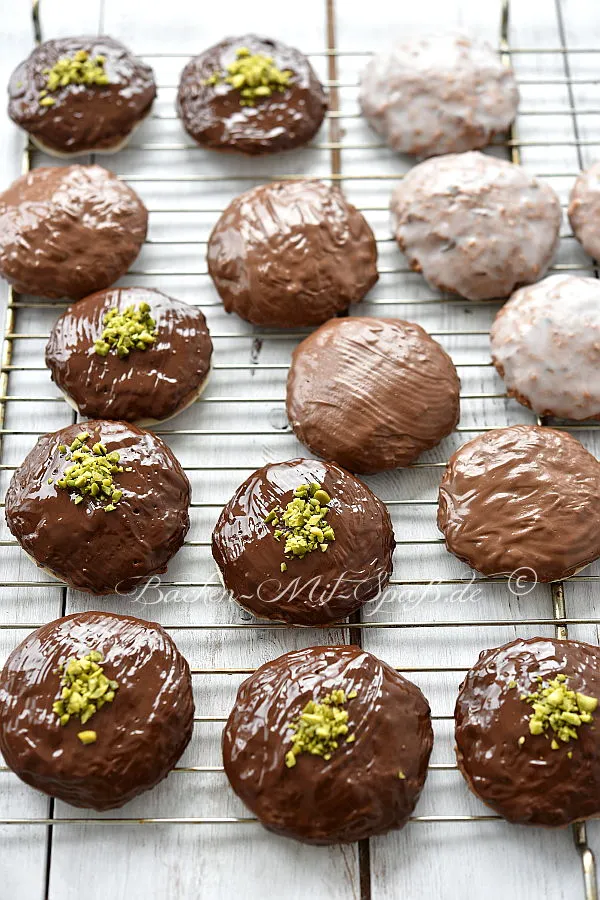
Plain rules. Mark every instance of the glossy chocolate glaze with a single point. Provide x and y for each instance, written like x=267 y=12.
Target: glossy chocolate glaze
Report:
x=291 y=253
x=212 y=114
x=140 y=735
x=81 y=544
x=523 y=498
x=529 y=784
x=545 y=344
x=322 y=587
x=358 y=792
x=69 y=231
x=83 y=118
x=147 y=385
x=371 y=394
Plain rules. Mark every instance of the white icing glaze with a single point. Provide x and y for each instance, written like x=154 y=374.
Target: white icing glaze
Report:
x=475 y=225
x=442 y=93
x=546 y=343
x=584 y=210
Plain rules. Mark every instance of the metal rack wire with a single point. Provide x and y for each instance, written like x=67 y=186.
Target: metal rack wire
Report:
x=356 y=628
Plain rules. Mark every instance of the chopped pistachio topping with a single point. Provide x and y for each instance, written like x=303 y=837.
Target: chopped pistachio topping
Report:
x=77 y=69
x=401 y=775
x=558 y=710
x=132 y=329
x=255 y=76
x=319 y=726
x=90 y=473
x=84 y=689
x=303 y=522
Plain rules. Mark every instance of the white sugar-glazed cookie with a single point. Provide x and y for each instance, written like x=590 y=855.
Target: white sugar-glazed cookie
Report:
x=475 y=225
x=443 y=93
x=584 y=210
x=546 y=345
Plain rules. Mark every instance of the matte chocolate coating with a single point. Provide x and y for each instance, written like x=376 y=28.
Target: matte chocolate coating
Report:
x=530 y=784
x=145 y=386
x=546 y=345
x=371 y=394
x=358 y=792
x=522 y=499
x=291 y=253
x=475 y=225
x=584 y=210
x=69 y=231
x=84 y=118
x=213 y=116
x=322 y=587
x=140 y=735
x=81 y=544
x=441 y=93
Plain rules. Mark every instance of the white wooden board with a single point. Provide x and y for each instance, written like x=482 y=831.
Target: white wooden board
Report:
x=427 y=859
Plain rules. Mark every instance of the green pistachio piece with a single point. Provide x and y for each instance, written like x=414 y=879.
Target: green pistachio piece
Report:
x=83 y=689
x=90 y=472
x=126 y=330
x=305 y=527
x=255 y=76
x=77 y=69
x=319 y=727
x=558 y=710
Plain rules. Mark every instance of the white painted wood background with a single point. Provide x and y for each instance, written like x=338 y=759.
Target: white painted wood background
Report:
x=445 y=861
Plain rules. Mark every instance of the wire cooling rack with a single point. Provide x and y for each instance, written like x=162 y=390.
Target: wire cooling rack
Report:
x=17 y=386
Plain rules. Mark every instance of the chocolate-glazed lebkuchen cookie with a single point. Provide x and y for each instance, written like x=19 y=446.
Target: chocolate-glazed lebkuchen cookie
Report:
x=304 y=542
x=371 y=394
x=328 y=745
x=250 y=94
x=80 y=95
x=584 y=210
x=546 y=346
x=69 y=231
x=439 y=93
x=130 y=353
x=291 y=253
x=475 y=225
x=95 y=708
x=527 y=736
x=522 y=499
x=100 y=505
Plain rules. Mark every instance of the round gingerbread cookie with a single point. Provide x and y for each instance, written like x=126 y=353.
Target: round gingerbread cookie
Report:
x=291 y=253
x=100 y=505
x=475 y=225
x=524 y=500
x=69 y=231
x=251 y=94
x=304 y=542
x=440 y=93
x=328 y=745
x=95 y=708
x=133 y=354
x=527 y=736
x=584 y=210
x=79 y=95
x=546 y=345
x=371 y=394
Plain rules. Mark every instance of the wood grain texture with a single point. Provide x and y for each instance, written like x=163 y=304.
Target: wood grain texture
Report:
x=445 y=861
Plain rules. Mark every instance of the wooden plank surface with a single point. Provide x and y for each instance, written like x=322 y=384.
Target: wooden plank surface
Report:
x=440 y=860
